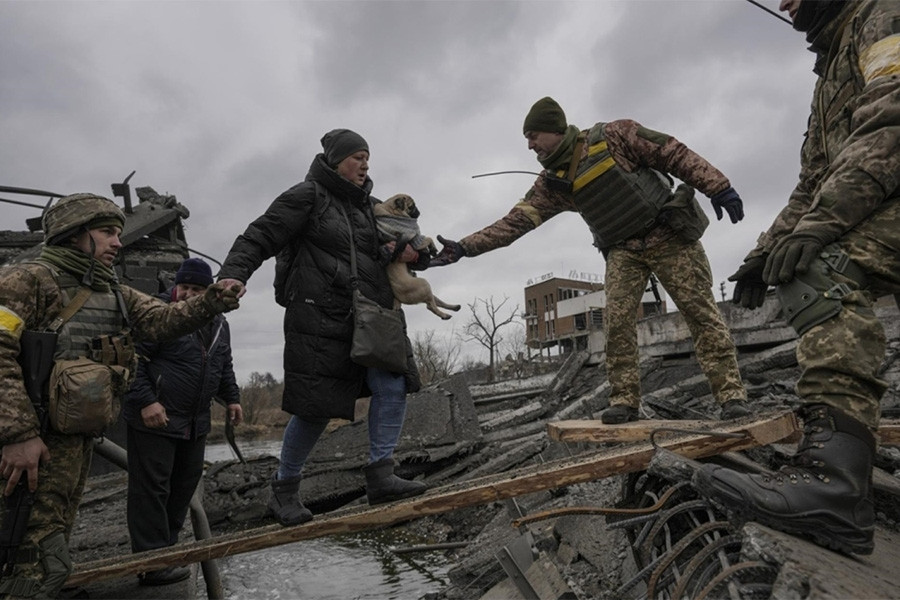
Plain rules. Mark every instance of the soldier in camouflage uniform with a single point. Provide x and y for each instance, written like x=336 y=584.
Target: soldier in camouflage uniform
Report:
x=831 y=251
x=616 y=175
x=81 y=241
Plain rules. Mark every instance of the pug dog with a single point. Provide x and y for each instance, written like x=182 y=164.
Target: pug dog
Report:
x=396 y=219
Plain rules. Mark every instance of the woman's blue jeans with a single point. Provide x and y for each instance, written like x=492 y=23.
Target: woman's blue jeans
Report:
x=387 y=410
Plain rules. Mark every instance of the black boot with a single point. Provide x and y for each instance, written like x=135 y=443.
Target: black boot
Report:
x=825 y=493
x=285 y=502
x=383 y=486
x=619 y=413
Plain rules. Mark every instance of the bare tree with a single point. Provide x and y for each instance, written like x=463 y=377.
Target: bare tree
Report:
x=485 y=328
x=516 y=351
x=436 y=358
x=261 y=392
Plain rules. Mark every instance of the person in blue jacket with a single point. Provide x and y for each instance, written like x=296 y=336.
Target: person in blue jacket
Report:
x=167 y=412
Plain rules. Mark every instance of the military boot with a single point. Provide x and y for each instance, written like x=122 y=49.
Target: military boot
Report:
x=825 y=493
x=619 y=413
x=285 y=503
x=383 y=486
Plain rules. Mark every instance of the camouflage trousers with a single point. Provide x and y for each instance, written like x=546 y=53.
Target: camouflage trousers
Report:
x=683 y=270
x=43 y=562
x=840 y=357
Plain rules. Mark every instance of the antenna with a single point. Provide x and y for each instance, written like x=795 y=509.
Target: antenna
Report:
x=504 y=173
x=771 y=12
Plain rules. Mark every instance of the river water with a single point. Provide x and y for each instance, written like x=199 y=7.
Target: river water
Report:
x=348 y=567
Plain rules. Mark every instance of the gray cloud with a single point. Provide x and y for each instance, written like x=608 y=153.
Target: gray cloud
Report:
x=223 y=104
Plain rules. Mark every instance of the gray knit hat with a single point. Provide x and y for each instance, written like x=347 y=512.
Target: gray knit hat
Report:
x=545 y=115
x=338 y=144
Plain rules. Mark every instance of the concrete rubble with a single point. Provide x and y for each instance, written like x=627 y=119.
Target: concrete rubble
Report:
x=640 y=535
x=455 y=432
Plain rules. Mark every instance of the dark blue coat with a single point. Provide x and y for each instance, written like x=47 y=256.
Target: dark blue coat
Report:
x=184 y=375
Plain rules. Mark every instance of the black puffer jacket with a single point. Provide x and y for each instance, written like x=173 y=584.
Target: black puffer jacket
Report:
x=184 y=375
x=320 y=380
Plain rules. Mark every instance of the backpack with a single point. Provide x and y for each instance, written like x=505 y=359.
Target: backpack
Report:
x=284 y=260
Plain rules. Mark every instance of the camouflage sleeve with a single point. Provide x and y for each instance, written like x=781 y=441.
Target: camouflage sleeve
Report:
x=865 y=171
x=153 y=320
x=633 y=145
x=23 y=303
x=538 y=205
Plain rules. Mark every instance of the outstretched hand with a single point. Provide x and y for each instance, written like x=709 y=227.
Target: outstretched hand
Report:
x=222 y=296
x=729 y=200
x=449 y=254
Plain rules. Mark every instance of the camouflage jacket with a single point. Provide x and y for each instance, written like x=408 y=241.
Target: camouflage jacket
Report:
x=632 y=146
x=30 y=299
x=850 y=163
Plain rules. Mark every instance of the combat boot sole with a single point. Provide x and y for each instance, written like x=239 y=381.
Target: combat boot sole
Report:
x=824 y=527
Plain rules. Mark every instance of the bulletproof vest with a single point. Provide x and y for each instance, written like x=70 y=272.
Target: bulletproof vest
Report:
x=615 y=204
x=100 y=316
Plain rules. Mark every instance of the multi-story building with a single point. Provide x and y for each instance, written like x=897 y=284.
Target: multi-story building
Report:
x=569 y=312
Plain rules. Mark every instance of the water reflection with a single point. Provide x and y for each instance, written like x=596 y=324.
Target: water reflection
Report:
x=249 y=449
x=359 y=566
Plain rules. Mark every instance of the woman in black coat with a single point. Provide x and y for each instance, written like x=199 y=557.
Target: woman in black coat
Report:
x=309 y=228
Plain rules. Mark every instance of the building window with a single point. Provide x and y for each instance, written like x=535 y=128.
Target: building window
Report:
x=580 y=322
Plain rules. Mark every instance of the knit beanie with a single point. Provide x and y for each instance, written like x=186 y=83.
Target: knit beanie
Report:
x=195 y=271
x=545 y=115
x=341 y=143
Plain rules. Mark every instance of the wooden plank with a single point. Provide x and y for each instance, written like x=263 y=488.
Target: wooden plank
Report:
x=889 y=432
x=596 y=431
x=586 y=467
x=635 y=431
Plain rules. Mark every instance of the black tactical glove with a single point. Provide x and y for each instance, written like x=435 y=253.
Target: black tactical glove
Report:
x=731 y=202
x=449 y=254
x=221 y=298
x=793 y=255
x=749 y=287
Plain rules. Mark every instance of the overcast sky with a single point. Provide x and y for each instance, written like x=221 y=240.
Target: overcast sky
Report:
x=223 y=104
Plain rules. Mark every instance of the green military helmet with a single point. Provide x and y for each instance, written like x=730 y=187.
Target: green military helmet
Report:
x=73 y=213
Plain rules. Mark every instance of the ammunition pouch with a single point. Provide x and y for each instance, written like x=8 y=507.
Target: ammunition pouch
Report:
x=683 y=214
x=85 y=395
x=114 y=350
x=816 y=296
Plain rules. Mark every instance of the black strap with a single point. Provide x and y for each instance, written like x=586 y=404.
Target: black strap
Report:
x=354 y=278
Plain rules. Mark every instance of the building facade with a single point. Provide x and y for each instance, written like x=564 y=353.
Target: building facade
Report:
x=567 y=313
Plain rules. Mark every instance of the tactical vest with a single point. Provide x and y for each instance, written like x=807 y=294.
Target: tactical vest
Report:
x=615 y=204
x=98 y=330
x=100 y=316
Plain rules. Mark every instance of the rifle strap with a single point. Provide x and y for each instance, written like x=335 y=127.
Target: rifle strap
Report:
x=576 y=157
x=70 y=309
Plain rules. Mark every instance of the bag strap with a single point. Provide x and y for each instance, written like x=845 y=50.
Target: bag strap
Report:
x=70 y=309
x=354 y=278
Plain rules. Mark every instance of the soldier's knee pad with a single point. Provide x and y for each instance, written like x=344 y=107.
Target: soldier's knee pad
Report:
x=52 y=553
x=816 y=296
x=57 y=564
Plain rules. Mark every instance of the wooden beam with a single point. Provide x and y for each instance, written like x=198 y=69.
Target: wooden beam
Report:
x=889 y=432
x=586 y=467
x=595 y=431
